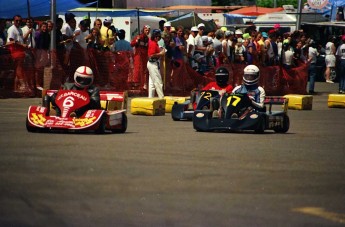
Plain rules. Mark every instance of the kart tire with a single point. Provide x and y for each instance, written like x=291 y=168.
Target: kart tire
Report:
x=286 y=125
x=101 y=126
x=261 y=127
x=124 y=124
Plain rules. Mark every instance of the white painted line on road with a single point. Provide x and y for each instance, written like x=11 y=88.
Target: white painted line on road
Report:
x=321 y=212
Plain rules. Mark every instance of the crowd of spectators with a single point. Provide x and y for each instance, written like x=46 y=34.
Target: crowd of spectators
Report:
x=191 y=47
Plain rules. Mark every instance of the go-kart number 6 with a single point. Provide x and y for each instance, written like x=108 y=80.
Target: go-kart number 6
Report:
x=233 y=100
x=68 y=102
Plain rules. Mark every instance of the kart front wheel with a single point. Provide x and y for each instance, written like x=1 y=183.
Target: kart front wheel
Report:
x=124 y=123
x=285 y=127
x=29 y=128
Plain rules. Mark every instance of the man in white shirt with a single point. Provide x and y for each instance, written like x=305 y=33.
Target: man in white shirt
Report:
x=191 y=44
x=312 y=55
x=29 y=32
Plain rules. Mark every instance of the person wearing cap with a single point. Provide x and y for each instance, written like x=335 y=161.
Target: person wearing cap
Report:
x=200 y=48
x=140 y=44
x=167 y=26
x=107 y=35
x=341 y=56
x=191 y=44
x=238 y=33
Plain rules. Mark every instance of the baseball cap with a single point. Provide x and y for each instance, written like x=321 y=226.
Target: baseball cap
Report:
x=204 y=38
x=108 y=20
x=194 y=29
x=167 y=24
x=201 y=25
x=69 y=16
x=264 y=34
x=228 y=33
x=238 y=32
x=246 y=36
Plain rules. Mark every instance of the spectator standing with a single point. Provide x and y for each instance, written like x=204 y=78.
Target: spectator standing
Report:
x=67 y=31
x=98 y=24
x=312 y=55
x=178 y=54
x=107 y=34
x=94 y=40
x=287 y=56
x=341 y=55
x=42 y=39
x=191 y=44
x=29 y=32
x=153 y=65
x=140 y=44
x=15 y=38
x=199 y=45
x=122 y=44
x=81 y=33
x=330 y=58
x=218 y=48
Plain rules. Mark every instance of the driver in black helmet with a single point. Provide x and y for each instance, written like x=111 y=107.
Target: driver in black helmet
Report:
x=221 y=84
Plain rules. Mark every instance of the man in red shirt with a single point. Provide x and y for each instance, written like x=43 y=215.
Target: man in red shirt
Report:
x=154 y=54
x=221 y=83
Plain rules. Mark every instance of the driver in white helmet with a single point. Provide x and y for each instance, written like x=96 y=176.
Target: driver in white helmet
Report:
x=251 y=87
x=83 y=79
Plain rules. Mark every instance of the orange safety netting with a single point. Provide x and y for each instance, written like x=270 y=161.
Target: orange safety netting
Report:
x=20 y=74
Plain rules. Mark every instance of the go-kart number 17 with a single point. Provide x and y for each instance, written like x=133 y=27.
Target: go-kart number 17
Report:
x=233 y=100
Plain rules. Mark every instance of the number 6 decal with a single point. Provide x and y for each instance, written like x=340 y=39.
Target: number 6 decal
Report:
x=68 y=102
x=233 y=100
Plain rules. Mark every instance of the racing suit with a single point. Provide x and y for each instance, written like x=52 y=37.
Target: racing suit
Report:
x=92 y=90
x=255 y=92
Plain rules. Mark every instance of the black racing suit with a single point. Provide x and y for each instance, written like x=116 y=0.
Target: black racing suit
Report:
x=92 y=90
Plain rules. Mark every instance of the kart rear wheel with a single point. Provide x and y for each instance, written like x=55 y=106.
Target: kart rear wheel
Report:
x=286 y=125
x=261 y=127
x=123 y=125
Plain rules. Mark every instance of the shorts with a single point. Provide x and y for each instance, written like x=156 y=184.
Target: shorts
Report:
x=330 y=60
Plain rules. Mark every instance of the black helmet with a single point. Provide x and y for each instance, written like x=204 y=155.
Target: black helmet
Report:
x=156 y=32
x=222 y=76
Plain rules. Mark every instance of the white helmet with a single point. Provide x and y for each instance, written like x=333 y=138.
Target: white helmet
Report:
x=251 y=75
x=83 y=77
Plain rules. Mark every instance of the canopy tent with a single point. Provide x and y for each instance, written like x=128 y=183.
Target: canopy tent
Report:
x=8 y=9
x=192 y=19
x=237 y=18
x=256 y=10
x=103 y=12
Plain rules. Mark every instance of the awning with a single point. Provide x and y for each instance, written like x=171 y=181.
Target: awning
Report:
x=192 y=19
x=256 y=10
x=38 y=8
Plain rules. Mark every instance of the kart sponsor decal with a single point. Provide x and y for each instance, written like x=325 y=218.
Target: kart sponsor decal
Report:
x=73 y=94
x=200 y=115
x=233 y=100
x=254 y=116
x=83 y=121
x=38 y=119
x=274 y=121
x=90 y=113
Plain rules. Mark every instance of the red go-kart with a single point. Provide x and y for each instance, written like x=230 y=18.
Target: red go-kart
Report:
x=42 y=118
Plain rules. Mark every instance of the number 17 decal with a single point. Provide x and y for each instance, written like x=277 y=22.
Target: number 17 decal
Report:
x=233 y=100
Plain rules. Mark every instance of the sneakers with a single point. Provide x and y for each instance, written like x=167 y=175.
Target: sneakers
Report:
x=329 y=81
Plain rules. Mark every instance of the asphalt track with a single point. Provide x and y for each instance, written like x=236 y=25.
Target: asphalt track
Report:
x=163 y=173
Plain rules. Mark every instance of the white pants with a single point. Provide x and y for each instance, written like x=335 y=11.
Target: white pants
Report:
x=155 y=80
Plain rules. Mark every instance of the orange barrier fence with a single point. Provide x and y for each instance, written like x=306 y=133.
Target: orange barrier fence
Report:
x=115 y=71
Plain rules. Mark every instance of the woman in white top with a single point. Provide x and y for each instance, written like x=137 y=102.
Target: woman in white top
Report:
x=341 y=54
x=330 y=58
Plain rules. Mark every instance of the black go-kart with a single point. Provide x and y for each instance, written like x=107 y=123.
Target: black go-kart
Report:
x=199 y=100
x=235 y=112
